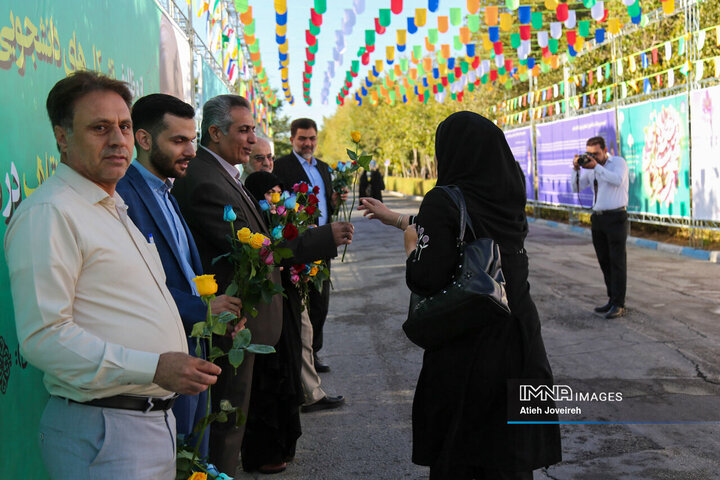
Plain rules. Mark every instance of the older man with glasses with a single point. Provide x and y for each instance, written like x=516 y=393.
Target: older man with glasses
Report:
x=262 y=158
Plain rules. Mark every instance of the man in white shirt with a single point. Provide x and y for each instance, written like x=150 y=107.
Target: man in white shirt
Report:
x=91 y=307
x=608 y=175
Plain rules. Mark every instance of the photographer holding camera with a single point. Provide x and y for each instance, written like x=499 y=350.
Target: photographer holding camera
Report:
x=609 y=177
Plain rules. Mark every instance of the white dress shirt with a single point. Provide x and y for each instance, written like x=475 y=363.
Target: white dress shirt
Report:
x=91 y=307
x=612 y=183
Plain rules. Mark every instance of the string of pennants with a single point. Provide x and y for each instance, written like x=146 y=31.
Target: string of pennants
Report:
x=550 y=100
x=224 y=44
x=493 y=45
x=432 y=76
x=346 y=30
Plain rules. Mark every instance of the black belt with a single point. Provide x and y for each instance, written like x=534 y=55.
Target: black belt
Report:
x=130 y=402
x=604 y=212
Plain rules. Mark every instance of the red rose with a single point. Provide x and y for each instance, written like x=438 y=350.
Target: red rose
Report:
x=290 y=232
x=312 y=199
x=310 y=210
x=303 y=187
x=299 y=268
x=316 y=189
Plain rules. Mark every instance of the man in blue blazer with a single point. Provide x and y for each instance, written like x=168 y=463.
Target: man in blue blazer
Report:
x=164 y=129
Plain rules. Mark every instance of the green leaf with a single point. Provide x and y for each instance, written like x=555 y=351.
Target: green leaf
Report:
x=183 y=467
x=236 y=356
x=221 y=417
x=232 y=289
x=216 y=259
x=364 y=161
x=352 y=155
x=198 y=329
x=216 y=352
x=219 y=328
x=242 y=338
x=226 y=317
x=260 y=349
x=266 y=296
x=282 y=252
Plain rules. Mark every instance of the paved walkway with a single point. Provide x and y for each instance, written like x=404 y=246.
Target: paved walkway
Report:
x=670 y=339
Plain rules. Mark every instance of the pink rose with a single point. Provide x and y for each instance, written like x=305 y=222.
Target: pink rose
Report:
x=281 y=210
x=269 y=260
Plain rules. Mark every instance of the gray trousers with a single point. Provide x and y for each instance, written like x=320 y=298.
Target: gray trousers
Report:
x=82 y=442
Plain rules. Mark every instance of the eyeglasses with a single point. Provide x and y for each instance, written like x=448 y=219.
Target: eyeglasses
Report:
x=260 y=158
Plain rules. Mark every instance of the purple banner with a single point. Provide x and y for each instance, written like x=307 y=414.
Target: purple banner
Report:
x=520 y=142
x=557 y=144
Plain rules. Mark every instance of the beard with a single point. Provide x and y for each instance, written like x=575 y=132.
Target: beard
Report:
x=164 y=165
x=307 y=154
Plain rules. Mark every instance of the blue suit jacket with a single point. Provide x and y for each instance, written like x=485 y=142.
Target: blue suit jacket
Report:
x=145 y=212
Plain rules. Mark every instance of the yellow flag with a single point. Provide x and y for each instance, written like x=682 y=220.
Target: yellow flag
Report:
x=420 y=17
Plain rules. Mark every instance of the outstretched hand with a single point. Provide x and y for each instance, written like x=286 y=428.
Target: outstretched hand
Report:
x=375 y=209
x=179 y=372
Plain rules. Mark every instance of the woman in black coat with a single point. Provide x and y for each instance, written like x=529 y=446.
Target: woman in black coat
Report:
x=273 y=422
x=460 y=410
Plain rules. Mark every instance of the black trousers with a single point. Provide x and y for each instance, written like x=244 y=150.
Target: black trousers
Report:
x=319 y=305
x=609 y=236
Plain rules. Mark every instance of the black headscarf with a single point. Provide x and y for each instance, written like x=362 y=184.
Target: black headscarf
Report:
x=260 y=182
x=473 y=154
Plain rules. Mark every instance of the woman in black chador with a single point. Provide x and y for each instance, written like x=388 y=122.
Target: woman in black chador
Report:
x=273 y=422
x=373 y=187
x=460 y=411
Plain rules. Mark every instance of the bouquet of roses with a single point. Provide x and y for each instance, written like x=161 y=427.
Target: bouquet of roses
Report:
x=302 y=275
x=253 y=256
x=290 y=214
x=345 y=177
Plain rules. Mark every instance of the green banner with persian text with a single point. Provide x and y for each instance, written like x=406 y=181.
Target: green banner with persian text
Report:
x=41 y=41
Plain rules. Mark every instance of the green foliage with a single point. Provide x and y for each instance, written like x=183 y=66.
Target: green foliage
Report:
x=409 y=186
x=405 y=133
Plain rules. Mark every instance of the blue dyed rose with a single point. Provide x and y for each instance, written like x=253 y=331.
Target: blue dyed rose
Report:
x=277 y=232
x=229 y=214
x=264 y=205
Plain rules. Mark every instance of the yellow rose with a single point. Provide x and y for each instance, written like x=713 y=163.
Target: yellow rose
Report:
x=256 y=241
x=275 y=197
x=206 y=284
x=317 y=262
x=333 y=165
x=313 y=271
x=244 y=235
x=198 y=476
x=356 y=136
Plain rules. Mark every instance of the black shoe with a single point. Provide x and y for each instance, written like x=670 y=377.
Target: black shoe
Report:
x=324 y=403
x=319 y=366
x=615 y=312
x=605 y=308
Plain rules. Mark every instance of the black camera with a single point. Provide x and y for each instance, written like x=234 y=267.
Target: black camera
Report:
x=585 y=158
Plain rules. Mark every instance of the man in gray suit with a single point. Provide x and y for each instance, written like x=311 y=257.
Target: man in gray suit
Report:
x=213 y=181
